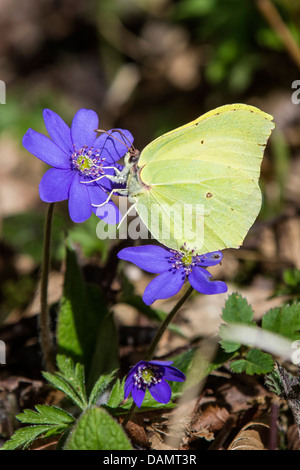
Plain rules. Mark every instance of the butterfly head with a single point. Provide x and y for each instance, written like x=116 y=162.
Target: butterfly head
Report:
x=132 y=157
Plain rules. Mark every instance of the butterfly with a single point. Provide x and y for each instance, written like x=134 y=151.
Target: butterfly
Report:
x=197 y=186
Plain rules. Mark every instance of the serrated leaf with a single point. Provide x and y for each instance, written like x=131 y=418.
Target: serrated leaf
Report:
x=228 y=346
x=256 y=362
x=73 y=374
x=61 y=384
x=46 y=414
x=100 y=387
x=117 y=393
x=236 y=310
x=25 y=436
x=273 y=382
x=97 y=430
x=283 y=320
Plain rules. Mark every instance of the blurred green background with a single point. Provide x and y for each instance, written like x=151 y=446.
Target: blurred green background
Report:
x=148 y=66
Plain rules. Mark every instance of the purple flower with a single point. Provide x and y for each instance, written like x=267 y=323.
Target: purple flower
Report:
x=174 y=268
x=152 y=375
x=78 y=158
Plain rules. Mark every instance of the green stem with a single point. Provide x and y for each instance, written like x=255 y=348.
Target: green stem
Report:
x=157 y=338
x=46 y=338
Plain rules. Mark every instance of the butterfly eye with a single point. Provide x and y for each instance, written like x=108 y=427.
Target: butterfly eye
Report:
x=134 y=156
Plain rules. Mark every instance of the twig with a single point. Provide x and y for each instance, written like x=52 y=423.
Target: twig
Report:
x=271 y=14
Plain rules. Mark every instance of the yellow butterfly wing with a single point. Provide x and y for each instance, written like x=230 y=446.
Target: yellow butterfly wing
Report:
x=201 y=180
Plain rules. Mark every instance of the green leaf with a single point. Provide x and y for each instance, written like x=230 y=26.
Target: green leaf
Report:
x=46 y=414
x=70 y=379
x=80 y=319
x=236 y=310
x=73 y=374
x=228 y=346
x=256 y=362
x=106 y=353
x=274 y=383
x=116 y=394
x=97 y=430
x=283 y=320
x=25 y=436
x=290 y=286
x=291 y=277
x=61 y=384
x=100 y=387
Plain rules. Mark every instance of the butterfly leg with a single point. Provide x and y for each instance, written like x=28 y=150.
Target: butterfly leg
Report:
x=122 y=192
x=119 y=177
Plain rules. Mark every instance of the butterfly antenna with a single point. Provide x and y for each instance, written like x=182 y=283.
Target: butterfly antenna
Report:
x=129 y=147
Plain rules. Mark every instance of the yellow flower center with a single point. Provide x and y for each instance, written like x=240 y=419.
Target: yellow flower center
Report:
x=84 y=163
x=147 y=376
x=187 y=259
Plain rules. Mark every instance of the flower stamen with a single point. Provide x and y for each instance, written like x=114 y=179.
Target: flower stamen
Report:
x=147 y=375
x=88 y=162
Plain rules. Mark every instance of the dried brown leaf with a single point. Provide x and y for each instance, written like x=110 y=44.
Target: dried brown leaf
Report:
x=253 y=436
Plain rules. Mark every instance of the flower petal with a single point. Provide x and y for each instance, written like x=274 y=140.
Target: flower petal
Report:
x=115 y=147
x=200 y=280
x=210 y=259
x=132 y=371
x=55 y=185
x=80 y=207
x=171 y=373
x=96 y=193
x=161 y=392
x=83 y=128
x=129 y=383
x=58 y=130
x=164 y=286
x=46 y=150
x=151 y=258
x=138 y=396
x=161 y=363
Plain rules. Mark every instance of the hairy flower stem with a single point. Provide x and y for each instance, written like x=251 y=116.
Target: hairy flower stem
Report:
x=46 y=339
x=157 y=338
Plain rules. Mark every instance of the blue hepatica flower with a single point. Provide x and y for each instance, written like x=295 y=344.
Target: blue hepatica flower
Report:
x=174 y=268
x=152 y=375
x=79 y=158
